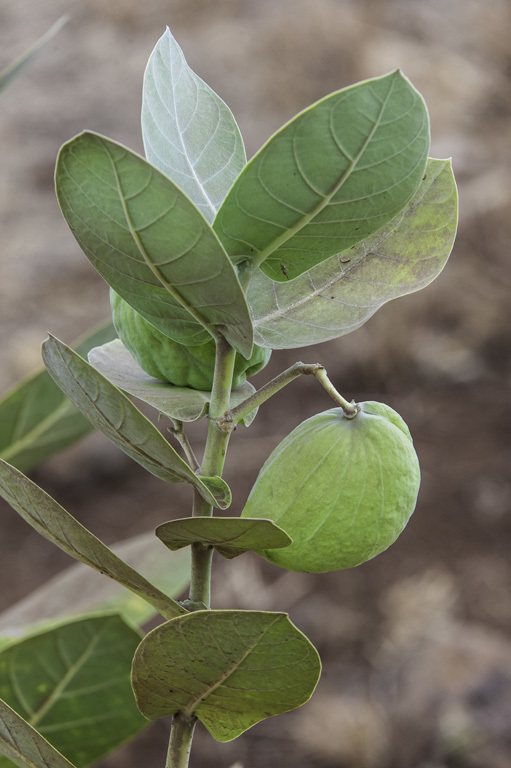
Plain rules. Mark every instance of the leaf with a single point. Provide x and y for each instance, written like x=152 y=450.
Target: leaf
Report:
x=23 y=745
x=231 y=536
x=110 y=411
x=79 y=589
x=72 y=683
x=150 y=243
x=189 y=133
x=11 y=72
x=53 y=522
x=36 y=417
x=332 y=176
x=230 y=669
x=341 y=294
x=115 y=363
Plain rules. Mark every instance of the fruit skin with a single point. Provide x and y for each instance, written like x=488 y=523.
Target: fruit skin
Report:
x=342 y=489
x=169 y=361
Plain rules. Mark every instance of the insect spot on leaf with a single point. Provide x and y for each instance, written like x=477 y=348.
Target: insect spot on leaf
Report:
x=345 y=259
x=284 y=270
x=425 y=177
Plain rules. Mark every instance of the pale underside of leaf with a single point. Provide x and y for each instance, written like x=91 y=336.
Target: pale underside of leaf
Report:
x=189 y=132
x=78 y=589
x=150 y=243
x=331 y=177
x=113 y=413
x=342 y=293
x=53 y=522
x=23 y=745
x=115 y=362
x=229 y=668
x=229 y=536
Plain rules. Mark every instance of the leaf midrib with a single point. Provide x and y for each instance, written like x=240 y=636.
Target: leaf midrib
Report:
x=189 y=710
x=66 y=679
x=324 y=202
x=145 y=256
x=310 y=295
x=13 y=449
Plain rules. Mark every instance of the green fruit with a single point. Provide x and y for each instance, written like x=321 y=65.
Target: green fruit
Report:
x=167 y=360
x=342 y=489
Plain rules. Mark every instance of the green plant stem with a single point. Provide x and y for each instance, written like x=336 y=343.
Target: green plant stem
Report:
x=271 y=388
x=181 y=734
x=178 y=431
x=350 y=409
x=284 y=378
x=200 y=583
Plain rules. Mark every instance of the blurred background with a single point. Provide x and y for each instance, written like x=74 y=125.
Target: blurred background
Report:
x=416 y=643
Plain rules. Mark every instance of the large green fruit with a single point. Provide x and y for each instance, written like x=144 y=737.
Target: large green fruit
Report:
x=167 y=360
x=343 y=489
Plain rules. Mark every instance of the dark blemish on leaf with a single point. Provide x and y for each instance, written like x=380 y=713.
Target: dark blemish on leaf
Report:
x=425 y=177
x=284 y=270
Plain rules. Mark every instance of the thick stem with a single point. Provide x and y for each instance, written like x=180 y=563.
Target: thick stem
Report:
x=212 y=464
x=200 y=584
x=180 y=742
x=202 y=555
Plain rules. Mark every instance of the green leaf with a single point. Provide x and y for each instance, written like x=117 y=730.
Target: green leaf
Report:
x=23 y=745
x=150 y=243
x=230 y=536
x=189 y=133
x=331 y=177
x=341 y=294
x=115 y=363
x=11 y=72
x=37 y=419
x=230 y=669
x=110 y=411
x=72 y=683
x=53 y=522
x=79 y=589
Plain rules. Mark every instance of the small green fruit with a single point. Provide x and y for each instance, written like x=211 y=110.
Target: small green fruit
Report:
x=167 y=360
x=342 y=489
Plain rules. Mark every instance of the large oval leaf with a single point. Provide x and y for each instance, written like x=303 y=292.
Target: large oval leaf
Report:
x=189 y=133
x=332 y=176
x=36 y=417
x=341 y=294
x=53 y=522
x=115 y=362
x=230 y=669
x=72 y=683
x=230 y=536
x=150 y=243
x=110 y=411
x=23 y=745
